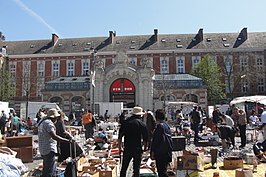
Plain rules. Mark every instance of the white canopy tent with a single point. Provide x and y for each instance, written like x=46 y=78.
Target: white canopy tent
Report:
x=261 y=99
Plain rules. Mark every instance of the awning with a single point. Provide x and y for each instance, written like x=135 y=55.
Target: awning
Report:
x=255 y=99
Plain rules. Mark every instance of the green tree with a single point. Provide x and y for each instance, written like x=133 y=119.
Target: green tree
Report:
x=209 y=71
x=7 y=90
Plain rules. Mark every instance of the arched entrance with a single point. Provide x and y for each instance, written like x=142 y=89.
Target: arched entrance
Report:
x=123 y=90
x=58 y=101
x=191 y=97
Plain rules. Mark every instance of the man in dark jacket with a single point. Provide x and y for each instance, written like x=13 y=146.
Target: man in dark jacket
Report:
x=133 y=130
x=162 y=144
x=195 y=118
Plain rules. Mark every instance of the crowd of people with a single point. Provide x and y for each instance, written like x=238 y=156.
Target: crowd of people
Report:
x=141 y=131
x=12 y=125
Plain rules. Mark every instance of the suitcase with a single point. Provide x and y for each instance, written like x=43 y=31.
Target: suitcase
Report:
x=71 y=168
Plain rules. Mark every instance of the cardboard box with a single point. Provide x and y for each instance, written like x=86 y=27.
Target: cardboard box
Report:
x=190 y=162
x=231 y=163
x=80 y=163
x=100 y=153
x=96 y=160
x=108 y=173
x=183 y=173
x=244 y=172
x=89 y=173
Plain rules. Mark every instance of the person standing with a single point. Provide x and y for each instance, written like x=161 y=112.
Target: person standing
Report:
x=150 y=124
x=134 y=131
x=106 y=116
x=216 y=116
x=161 y=150
x=89 y=123
x=195 y=118
x=47 y=140
x=62 y=147
x=15 y=121
x=263 y=121
x=122 y=117
x=3 y=120
x=242 y=124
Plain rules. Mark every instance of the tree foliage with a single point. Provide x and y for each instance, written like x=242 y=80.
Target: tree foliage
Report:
x=7 y=91
x=209 y=71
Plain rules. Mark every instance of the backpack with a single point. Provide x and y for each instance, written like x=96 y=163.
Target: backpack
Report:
x=167 y=143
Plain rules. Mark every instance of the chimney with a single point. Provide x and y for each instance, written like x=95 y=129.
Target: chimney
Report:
x=111 y=36
x=244 y=33
x=54 y=39
x=155 y=35
x=200 y=34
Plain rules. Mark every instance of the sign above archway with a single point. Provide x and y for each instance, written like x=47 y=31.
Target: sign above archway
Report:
x=123 y=90
x=122 y=86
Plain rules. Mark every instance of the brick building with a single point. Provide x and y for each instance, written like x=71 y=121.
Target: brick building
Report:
x=137 y=70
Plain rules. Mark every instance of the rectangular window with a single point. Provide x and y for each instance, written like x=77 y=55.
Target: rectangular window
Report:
x=55 y=69
x=164 y=65
x=26 y=78
x=243 y=62
x=12 y=70
x=41 y=69
x=180 y=64
x=245 y=86
x=85 y=68
x=261 y=85
x=133 y=61
x=195 y=60
x=228 y=61
x=70 y=68
x=259 y=63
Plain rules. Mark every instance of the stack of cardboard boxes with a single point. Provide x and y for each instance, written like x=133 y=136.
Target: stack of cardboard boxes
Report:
x=189 y=163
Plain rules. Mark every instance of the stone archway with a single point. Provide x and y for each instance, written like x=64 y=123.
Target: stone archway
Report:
x=191 y=97
x=123 y=90
x=58 y=100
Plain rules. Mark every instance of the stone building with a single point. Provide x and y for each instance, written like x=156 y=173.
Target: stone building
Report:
x=137 y=70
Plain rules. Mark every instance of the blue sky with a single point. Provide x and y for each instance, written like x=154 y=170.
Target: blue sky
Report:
x=38 y=19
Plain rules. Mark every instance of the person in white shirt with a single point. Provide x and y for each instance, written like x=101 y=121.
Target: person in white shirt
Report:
x=253 y=119
x=263 y=121
x=228 y=120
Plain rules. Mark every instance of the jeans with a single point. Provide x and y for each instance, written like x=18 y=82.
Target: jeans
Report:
x=127 y=156
x=89 y=130
x=161 y=164
x=195 y=127
x=49 y=165
x=243 y=136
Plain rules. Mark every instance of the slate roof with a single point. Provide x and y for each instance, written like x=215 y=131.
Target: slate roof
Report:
x=70 y=80
x=137 y=43
x=180 y=77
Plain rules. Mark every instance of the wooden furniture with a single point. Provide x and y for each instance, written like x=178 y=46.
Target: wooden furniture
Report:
x=22 y=145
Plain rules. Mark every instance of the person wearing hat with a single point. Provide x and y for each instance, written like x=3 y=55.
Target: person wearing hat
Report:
x=47 y=139
x=134 y=131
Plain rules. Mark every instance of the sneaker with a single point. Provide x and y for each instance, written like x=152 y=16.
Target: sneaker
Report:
x=214 y=166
